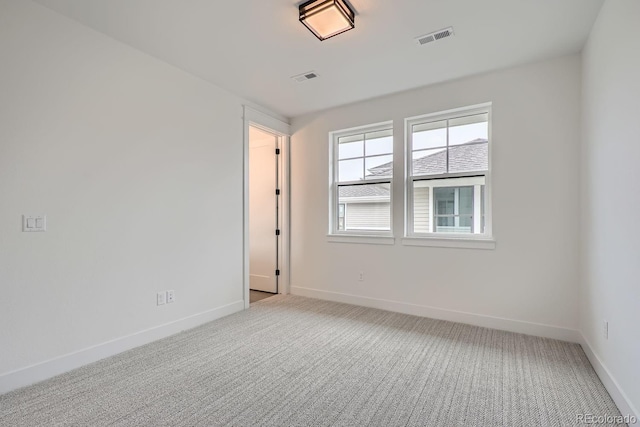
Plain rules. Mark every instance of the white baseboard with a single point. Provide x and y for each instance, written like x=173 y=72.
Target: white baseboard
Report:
x=50 y=368
x=529 y=328
x=619 y=397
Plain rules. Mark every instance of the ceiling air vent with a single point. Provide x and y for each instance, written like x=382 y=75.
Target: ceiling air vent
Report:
x=305 y=76
x=435 y=36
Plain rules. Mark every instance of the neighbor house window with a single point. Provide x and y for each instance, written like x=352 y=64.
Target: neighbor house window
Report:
x=448 y=168
x=362 y=171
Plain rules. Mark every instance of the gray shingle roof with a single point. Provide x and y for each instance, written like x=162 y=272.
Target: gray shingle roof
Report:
x=471 y=156
x=468 y=157
x=375 y=190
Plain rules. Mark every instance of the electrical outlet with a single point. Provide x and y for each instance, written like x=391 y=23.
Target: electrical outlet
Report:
x=161 y=298
x=32 y=223
x=171 y=296
x=361 y=276
x=605 y=330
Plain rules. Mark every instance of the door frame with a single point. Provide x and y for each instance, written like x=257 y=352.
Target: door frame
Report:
x=282 y=130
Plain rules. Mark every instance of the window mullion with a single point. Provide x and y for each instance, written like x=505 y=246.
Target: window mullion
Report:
x=336 y=193
x=364 y=157
x=447 y=156
x=336 y=202
x=456 y=207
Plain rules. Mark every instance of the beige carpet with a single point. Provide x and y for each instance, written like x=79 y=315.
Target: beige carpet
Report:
x=293 y=361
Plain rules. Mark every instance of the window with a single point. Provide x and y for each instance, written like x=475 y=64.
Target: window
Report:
x=448 y=168
x=362 y=172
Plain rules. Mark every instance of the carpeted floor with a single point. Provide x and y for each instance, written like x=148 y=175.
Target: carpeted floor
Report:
x=293 y=361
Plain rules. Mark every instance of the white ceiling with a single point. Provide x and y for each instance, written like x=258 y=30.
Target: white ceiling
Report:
x=253 y=47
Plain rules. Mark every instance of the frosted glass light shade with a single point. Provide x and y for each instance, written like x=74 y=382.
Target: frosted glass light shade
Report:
x=327 y=18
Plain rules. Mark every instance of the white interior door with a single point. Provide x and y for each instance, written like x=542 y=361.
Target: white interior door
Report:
x=263 y=211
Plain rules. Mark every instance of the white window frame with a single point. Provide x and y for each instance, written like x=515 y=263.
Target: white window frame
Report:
x=479 y=241
x=356 y=236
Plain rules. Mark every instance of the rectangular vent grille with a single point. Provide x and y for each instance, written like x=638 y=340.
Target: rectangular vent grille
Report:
x=425 y=40
x=435 y=36
x=305 y=76
x=442 y=34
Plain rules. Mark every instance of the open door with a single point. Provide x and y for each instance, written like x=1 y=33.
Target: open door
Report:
x=263 y=211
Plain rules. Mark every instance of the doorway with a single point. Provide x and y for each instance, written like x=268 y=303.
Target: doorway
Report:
x=264 y=218
x=266 y=228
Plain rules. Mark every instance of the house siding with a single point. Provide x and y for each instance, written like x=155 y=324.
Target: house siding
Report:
x=368 y=216
x=421 y=210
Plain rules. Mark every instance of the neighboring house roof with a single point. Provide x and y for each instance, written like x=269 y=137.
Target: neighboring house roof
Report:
x=471 y=156
x=375 y=190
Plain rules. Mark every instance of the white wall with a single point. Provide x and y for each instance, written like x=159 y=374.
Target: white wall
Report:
x=138 y=167
x=530 y=277
x=610 y=279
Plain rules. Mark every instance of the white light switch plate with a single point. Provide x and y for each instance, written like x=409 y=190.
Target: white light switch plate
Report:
x=31 y=223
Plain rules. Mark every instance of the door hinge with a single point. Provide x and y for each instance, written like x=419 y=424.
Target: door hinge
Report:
x=277 y=151
x=277 y=232
x=277 y=272
x=277 y=191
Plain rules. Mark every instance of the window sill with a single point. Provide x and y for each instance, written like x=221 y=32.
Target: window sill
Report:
x=451 y=242
x=361 y=239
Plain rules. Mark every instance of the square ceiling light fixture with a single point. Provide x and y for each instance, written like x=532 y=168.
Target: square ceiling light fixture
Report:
x=327 y=18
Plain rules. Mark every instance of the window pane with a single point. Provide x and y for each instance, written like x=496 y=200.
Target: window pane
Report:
x=463 y=130
x=350 y=170
x=429 y=135
x=465 y=200
x=472 y=157
x=444 y=223
x=367 y=206
x=350 y=149
x=444 y=200
x=379 y=143
x=429 y=162
x=379 y=166
x=465 y=222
